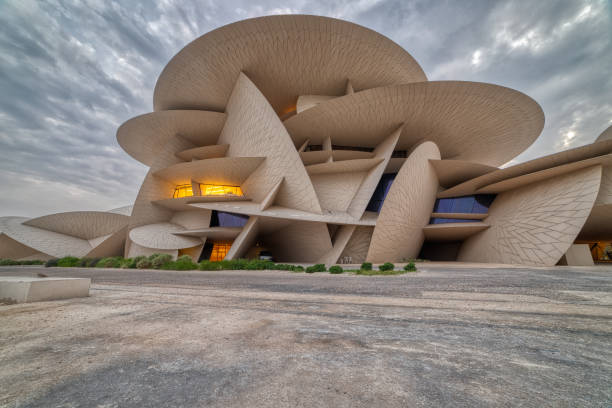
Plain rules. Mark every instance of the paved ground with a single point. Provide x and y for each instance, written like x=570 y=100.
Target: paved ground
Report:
x=453 y=337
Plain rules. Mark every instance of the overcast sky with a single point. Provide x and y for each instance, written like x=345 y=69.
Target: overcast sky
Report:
x=72 y=71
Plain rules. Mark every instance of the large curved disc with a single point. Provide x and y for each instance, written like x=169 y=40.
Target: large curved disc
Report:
x=285 y=56
x=471 y=121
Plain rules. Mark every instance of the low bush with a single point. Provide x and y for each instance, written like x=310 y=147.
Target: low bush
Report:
x=335 y=269
x=109 y=262
x=297 y=268
x=68 y=261
x=209 y=266
x=378 y=272
x=51 y=263
x=387 y=266
x=366 y=266
x=410 y=267
x=159 y=260
x=316 y=268
x=131 y=263
x=183 y=263
x=144 y=263
x=11 y=262
x=83 y=262
x=31 y=262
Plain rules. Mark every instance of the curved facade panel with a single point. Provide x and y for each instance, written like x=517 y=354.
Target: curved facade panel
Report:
x=310 y=139
x=535 y=224
x=285 y=56
x=398 y=234
x=469 y=121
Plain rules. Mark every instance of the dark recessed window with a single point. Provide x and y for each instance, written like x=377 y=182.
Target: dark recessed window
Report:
x=226 y=219
x=475 y=204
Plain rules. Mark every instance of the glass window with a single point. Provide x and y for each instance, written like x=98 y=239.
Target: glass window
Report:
x=212 y=189
x=219 y=250
x=184 y=190
x=444 y=205
x=476 y=204
x=381 y=191
x=447 y=220
x=227 y=219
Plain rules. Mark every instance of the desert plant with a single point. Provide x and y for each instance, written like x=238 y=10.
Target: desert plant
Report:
x=109 y=262
x=410 y=267
x=335 y=269
x=144 y=264
x=209 y=266
x=83 y=262
x=183 y=263
x=366 y=266
x=68 y=261
x=316 y=268
x=131 y=263
x=387 y=266
x=159 y=260
x=31 y=262
x=51 y=263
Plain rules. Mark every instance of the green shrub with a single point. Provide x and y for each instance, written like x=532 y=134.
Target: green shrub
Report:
x=8 y=262
x=144 y=263
x=378 y=272
x=297 y=268
x=387 y=266
x=209 y=266
x=410 y=267
x=316 y=268
x=335 y=269
x=260 y=264
x=88 y=262
x=31 y=262
x=366 y=266
x=51 y=263
x=68 y=261
x=131 y=263
x=110 y=262
x=83 y=262
x=158 y=261
x=183 y=263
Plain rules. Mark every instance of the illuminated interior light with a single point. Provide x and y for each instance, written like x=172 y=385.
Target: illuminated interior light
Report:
x=220 y=249
x=184 y=190
x=212 y=189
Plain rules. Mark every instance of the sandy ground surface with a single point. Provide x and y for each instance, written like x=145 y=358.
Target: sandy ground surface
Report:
x=445 y=336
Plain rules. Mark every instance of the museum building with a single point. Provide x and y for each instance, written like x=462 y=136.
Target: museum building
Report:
x=316 y=140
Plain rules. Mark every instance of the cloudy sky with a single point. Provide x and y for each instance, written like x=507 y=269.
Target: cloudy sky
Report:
x=72 y=71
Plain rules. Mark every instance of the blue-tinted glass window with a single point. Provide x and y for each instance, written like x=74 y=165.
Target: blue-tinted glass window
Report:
x=226 y=219
x=476 y=204
x=444 y=205
x=381 y=191
x=463 y=204
x=447 y=220
x=482 y=202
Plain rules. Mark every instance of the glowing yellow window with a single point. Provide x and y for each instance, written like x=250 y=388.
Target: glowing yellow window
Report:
x=211 y=189
x=219 y=250
x=184 y=190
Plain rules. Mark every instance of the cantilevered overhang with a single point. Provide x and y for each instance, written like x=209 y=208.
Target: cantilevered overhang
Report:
x=254 y=209
x=221 y=171
x=470 y=121
x=285 y=56
x=605 y=135
x=144 y=136
x=535 y=170
x=452 y=231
